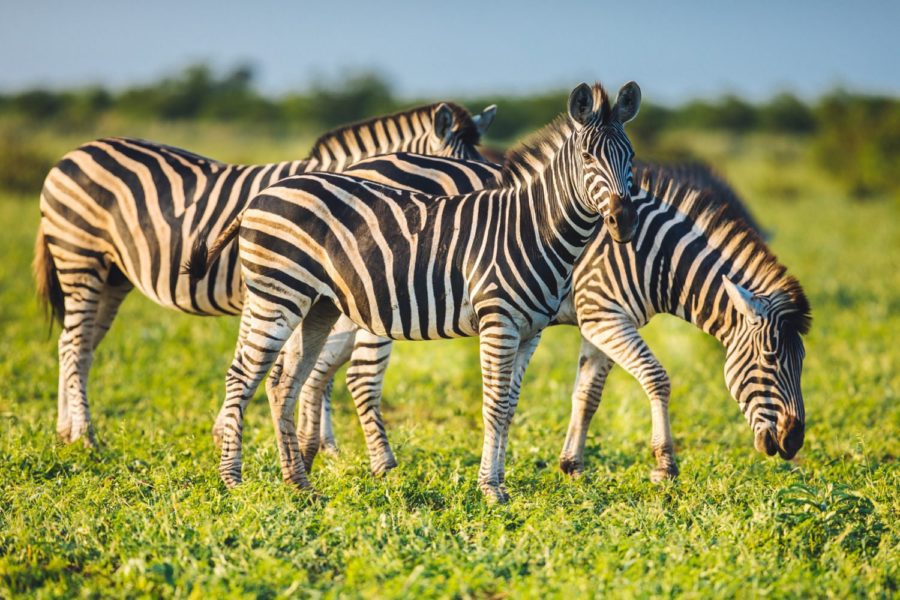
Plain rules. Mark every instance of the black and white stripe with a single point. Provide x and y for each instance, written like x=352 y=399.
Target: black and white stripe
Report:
x=695 y=257
x=495 y=263
x=121 y=213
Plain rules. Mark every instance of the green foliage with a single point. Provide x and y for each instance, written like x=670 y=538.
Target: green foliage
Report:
x=23 y=165
x=147 y=516
x=859 y=143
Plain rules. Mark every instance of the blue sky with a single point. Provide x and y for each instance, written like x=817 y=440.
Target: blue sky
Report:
x=675 y=50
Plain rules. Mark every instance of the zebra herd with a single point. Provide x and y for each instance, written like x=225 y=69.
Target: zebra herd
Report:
x=397 y=228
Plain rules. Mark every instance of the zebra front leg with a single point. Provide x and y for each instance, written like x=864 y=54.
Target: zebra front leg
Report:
x=623 y=344
x=299 y=363
x=499 y=345
x=593 y=367
x=365 y=378
x=523 y=357
x=256 y=351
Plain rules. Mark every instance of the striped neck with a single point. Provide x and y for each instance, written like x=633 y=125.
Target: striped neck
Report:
x=407 y=131
x=692 y=239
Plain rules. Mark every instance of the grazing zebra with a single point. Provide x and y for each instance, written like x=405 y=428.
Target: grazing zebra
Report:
x=121 y=213
x=694 y=257
x=368 y=354
x=495 y=263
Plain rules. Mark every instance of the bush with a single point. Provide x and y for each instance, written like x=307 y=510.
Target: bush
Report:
x=22 y=168
x=859 y=142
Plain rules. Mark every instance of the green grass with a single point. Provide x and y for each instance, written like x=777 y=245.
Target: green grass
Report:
x=146 y=515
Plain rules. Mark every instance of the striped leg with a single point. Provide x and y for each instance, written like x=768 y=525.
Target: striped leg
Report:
x=336 y=352
x=327 y=443
x=110 y=299
x=218 y=431
x=82 y=292
x=499 y=346
x=262 y=337
x=299 y=360
x=365 y=378
x=623 y=344
x=526 y=351
x=593 y=367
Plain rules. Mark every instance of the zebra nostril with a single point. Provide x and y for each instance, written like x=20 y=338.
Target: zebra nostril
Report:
x=611 y=220
x=790 y=437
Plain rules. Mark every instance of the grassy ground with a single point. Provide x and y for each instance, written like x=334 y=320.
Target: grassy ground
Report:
x=147 y=514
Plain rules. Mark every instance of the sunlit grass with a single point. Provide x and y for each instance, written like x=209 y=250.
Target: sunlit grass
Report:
x=147 y=514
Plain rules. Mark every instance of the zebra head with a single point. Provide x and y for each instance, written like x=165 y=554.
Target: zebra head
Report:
x=455 y=133
x=764 y=358
x=605 y=153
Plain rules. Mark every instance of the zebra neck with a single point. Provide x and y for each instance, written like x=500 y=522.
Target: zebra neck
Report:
x=554 y=197
x=337 y=150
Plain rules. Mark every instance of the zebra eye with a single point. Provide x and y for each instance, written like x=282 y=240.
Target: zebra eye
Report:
x=588 y=157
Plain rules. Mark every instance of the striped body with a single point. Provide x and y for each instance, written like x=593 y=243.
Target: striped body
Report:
x=494 y=263
x=120 y=213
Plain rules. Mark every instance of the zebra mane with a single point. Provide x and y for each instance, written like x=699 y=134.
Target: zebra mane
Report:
x=723 y=223
x=533 y=154
x=465 y=126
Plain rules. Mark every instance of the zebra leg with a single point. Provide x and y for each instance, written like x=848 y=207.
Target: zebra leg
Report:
x=365 y=378
x=218 y=430
x=334 y=353
x=262 y=336
x=499 y=345
x=526 y=351
x=110 y=299
x=623 y=344
x=593 y=367
x=327 y=443
x=82 y=293
x=283 y=387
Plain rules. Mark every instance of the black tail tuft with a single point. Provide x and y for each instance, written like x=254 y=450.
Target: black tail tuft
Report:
x=198 y=264
x=46 y=280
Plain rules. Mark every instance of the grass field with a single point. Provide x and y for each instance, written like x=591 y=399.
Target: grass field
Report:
x=147 y=515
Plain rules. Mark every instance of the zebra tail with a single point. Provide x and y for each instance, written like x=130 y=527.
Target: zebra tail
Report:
x=46 y=280
x=202 y=257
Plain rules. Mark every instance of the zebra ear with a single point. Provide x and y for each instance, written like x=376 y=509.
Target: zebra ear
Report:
x=581 y=105
x=628 y=102
x=743 y=301
x=484 y=119
x=443 y=120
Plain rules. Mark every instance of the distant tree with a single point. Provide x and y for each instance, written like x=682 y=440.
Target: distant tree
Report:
x=786 y=113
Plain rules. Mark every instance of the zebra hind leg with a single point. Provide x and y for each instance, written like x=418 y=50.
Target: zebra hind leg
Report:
x=593 y=368
x=83 y=291
x=315 y=388
x=327 y=443
x=365 y=378
x=218 y=430
x=264 y=331
x=283 y=387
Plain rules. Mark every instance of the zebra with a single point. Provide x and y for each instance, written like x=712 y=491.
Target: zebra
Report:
x=368 y=355
x=494 y=263
x=693 y=256
x=120 y=213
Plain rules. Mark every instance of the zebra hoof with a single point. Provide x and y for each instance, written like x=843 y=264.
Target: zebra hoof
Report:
x=328 y=447
x=383 y=468
x=299 y=481
x=571 y=466
x=495 y=494
x=659 y=475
